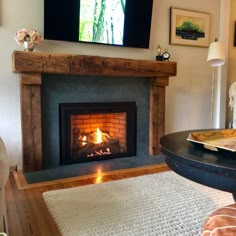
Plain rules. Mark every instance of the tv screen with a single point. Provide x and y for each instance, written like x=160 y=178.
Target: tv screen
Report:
x=112 y=22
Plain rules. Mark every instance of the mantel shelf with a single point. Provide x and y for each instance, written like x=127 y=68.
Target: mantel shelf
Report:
x=42 y=62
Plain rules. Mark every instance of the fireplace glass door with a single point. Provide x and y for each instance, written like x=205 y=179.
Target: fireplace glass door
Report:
x=97 y=131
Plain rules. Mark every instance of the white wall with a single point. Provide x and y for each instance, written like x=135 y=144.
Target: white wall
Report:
x=188 y=95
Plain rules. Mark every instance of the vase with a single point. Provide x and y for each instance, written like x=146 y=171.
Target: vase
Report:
x=28 y=46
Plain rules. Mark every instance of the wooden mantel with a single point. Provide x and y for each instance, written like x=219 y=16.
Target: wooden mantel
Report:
x=39 y=62
x=31 y=65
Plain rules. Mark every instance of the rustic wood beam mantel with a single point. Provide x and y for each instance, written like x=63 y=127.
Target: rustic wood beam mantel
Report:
x=89 y=65
x=31 y=65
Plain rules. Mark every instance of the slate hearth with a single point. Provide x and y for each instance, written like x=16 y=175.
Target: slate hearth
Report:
x=83 y=169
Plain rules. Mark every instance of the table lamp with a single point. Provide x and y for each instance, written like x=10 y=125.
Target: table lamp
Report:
x=216 y=58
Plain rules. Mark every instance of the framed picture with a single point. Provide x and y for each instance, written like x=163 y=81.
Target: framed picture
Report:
x=189 y=28
x=235 y=34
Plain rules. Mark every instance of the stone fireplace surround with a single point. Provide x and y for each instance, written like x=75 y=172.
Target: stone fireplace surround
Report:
x=31 y=66
x=57 y=90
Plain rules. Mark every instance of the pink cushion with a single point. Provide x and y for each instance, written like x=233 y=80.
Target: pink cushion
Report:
x=221 y=222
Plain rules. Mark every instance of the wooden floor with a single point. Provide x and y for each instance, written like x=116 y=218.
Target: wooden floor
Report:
x=27 y=212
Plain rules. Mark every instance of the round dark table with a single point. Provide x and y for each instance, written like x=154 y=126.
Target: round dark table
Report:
x=216 y=169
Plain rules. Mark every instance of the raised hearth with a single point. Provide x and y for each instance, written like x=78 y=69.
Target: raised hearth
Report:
x=32 y=65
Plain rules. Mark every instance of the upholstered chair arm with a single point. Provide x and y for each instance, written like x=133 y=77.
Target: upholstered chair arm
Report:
x=4 y=174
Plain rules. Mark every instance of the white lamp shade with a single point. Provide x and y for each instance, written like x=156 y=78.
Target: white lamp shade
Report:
x=216 y=54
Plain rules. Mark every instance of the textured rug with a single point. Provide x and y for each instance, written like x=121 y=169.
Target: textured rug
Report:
x=163 y=204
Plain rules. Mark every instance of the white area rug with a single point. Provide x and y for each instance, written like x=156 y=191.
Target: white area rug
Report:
x=163 y=204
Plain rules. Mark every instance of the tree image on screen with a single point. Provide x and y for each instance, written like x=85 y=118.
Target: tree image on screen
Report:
x=102 y=21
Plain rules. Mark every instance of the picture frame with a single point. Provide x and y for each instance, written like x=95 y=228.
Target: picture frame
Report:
x=189 y=28
x=235 y=34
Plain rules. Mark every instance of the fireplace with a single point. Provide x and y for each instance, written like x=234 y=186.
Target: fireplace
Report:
x=32 y=67
x=97 y=131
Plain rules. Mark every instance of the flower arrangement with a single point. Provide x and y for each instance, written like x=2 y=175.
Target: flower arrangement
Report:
x=28 y=38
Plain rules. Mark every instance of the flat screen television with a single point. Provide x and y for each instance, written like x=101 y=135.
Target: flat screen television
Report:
x=112 y=22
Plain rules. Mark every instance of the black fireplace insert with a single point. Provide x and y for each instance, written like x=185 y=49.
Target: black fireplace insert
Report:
x=97 y=131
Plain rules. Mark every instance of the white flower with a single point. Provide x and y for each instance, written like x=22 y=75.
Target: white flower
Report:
x=31 y=36
x=35 y=37
x=21 y=35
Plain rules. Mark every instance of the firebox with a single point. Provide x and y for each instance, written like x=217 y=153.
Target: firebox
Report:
x=97 y=131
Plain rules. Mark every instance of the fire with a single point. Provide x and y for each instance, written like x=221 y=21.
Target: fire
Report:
x=94 y=143
x=98 y=136
x=85 y=140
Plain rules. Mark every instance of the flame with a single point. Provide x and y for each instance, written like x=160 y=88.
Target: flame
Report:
x=98 y=136
x=84 y=139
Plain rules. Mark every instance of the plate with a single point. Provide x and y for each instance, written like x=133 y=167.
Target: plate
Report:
x=215 y=139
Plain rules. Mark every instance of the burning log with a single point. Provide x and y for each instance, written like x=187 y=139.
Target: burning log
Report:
x=89 y=148
x=94 y=144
